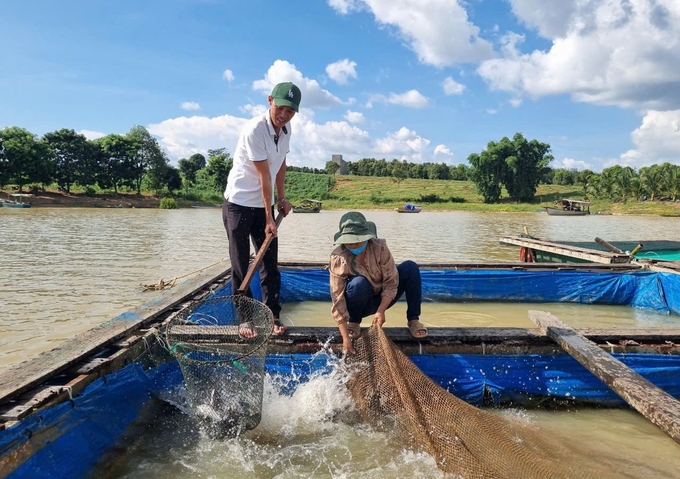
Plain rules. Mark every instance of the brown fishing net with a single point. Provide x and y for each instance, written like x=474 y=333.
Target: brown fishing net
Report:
x=464 y=440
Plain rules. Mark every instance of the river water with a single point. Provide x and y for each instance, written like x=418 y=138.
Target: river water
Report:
x=66 y=270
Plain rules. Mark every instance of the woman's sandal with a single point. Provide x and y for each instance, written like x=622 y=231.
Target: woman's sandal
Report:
x=418 y=329
x=354 y=330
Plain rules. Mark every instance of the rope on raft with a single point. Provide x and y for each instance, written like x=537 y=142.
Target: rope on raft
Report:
x=167 y=284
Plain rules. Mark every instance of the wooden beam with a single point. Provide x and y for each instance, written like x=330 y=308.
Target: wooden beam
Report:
x=586 y=254
x=21 y=377
x=652 y=402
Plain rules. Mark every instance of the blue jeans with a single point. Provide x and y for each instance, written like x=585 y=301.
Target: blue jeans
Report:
x=361 y=301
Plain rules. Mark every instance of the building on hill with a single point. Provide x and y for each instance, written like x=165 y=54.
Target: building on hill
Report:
x=337 y=159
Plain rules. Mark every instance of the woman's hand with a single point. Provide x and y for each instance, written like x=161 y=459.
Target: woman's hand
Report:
x=379 y=318
x=347 y=346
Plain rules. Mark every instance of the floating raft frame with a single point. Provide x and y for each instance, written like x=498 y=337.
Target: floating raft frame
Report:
x=575 y=252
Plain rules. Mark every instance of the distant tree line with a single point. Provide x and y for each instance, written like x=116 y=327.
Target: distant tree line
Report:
x=134 y=161
x=620 y=183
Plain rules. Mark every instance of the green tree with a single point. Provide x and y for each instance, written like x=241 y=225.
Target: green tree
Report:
x=147 y=155
x=671 y=180
x=332 y=167
x=116 y=160
x=190 y=166
x=399 y=171
x=70 y=152
x=524 y=166
x=218 y=168
x=25 y=159
x=652 y=180
x=173 y=179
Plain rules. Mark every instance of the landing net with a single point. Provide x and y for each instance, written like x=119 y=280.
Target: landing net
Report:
x=464 y=440
x=220 y=345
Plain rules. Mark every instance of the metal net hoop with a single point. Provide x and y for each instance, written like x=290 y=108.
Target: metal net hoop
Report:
x=220 y=345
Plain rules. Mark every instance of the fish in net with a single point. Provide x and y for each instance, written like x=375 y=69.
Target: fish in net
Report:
x=465 y=441
x=220 y=345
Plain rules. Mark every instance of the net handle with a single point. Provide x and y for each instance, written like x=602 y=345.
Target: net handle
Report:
x=245 y=284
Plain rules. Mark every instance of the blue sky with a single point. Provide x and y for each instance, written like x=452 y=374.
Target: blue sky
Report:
x=418 y=80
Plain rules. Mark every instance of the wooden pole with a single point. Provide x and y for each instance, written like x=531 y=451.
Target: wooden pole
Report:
x=245 y=284
x=655 y=404
x=609 y=246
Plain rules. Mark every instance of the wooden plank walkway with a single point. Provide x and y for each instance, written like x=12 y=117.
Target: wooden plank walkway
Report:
x=652 y=402
x=20 y=377
x=595 y=256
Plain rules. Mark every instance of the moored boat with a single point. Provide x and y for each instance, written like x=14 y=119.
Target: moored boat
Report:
x=409 y=208
x=16 y=200
x=55 y=405
x=567 y=207
x=307 y=206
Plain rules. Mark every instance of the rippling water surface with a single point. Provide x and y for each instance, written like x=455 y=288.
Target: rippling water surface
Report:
x=67 y=270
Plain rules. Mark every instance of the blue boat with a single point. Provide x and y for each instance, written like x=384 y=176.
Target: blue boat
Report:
x=16 y=200
x=77 y=400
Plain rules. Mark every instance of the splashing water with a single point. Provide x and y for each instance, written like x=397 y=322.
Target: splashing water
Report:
x=313 y=431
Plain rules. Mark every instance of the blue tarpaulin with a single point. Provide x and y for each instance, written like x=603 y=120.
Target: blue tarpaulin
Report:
x=65 y=441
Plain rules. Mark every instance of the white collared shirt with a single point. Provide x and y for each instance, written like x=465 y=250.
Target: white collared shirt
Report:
x=256 y=143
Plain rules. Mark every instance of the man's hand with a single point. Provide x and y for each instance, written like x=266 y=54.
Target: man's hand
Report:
x=270 y=228
x=285 y=206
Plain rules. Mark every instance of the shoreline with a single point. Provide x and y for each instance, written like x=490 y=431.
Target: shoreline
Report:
x=60 y=199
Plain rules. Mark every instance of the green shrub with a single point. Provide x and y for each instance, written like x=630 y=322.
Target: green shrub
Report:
x=457 y=199
x=168 y=204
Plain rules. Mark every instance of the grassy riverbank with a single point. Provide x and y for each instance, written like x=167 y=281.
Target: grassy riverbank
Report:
x=367 y=193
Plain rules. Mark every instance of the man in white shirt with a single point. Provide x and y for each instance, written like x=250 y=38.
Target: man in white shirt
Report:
x=248 y=209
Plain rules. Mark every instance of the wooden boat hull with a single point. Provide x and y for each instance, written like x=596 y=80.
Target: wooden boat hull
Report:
x=6 y=204
x=120 y=367
x=560 y=212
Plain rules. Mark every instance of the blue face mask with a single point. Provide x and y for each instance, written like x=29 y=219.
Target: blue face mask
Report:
x=359 y=250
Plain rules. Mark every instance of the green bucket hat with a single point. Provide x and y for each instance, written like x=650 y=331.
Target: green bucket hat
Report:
x=354 y=229
x=287 y=94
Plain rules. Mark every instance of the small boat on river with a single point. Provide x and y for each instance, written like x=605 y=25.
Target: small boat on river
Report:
x=409 y=208
x=16 y=200
x=79 y=399
x=567 y=207
x=307 y=206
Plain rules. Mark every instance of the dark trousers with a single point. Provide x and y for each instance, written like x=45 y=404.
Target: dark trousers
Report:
x=361 y=301
x=244 y=223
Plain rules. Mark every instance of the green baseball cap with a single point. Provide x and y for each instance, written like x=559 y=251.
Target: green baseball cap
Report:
x=287 y=94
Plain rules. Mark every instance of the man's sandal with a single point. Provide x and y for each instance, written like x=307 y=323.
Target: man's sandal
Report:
x=247 y=330
x=280 y=326
x=418 y=329
x=354 y=330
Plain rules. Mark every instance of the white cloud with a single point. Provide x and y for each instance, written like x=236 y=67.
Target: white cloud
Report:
x=657 y=140
x=491 y=111
x=354 y=116
x=190 y=106
x=341 y=70
x=608 y=52
x=438 y=31
x=228 y=75
x=92 y=135
x=442 y=150
x=515 y=102
x=182 y=137
x=452 y=87
x=312 y=143
x=571 y=164
x=411 y=99
x=313 y=96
